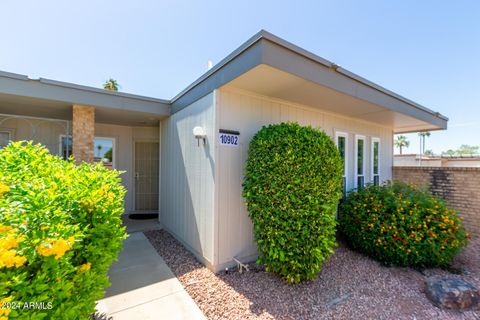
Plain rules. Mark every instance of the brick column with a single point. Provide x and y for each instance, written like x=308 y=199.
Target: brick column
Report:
x=83 y=132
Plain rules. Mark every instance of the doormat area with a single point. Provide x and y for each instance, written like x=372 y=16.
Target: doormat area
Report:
x=143 y=216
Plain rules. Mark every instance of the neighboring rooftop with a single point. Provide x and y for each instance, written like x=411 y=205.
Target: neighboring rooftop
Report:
x=408 y=160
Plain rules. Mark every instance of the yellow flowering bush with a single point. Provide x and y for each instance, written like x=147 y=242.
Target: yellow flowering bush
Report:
x=399 y=224
x=55 y=248
x=9 y=242
x=60 y=230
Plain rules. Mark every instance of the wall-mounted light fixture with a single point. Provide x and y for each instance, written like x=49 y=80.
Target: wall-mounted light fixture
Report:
x=199 y=133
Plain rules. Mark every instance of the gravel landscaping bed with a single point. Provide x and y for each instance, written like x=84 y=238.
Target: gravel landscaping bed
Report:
x=350 y=286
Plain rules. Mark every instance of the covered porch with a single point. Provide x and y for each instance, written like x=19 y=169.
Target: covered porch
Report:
x=92 y=125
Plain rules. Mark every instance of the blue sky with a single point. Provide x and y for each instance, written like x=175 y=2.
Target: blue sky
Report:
x=427 y=51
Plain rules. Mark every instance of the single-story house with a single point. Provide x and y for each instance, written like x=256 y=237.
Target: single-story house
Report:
x=184 y=157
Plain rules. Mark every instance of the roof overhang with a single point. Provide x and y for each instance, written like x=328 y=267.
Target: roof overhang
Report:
x=53 y=99
x=265 y=64
x=271 y=66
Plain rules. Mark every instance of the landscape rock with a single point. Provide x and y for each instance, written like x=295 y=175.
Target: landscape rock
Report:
x=452 y=293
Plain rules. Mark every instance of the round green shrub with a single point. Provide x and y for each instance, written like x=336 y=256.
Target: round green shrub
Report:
x=60 y=230
x=292 y=186
x=398 y=224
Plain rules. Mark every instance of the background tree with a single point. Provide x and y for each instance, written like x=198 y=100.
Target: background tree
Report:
x=111 y=84
x=464 y=149
x=401 y=142
x=467 y=149
x=449 y=152
x=423 y=136
x=109 y=155
x=428 y=152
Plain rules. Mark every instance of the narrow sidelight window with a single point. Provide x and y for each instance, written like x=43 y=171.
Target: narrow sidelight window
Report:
x=360 y=162
x=341 y=141
x=375 y=161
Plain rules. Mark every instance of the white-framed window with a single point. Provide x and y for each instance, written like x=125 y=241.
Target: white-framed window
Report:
x=5 y=137
x=375 y=170
x=359 y=161
x=341 y=140
x=103 y=149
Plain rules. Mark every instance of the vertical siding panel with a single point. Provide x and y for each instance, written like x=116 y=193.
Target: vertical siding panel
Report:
x=284 y=113
x=187 y=184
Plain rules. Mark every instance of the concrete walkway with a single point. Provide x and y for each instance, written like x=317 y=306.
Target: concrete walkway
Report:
x=144 y=287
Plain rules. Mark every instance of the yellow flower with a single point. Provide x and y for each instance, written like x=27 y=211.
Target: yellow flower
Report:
x=9 y=258
x=85 y=266
x=4 y=312
x=4 y=228
x=4 y=188
x=8 y=254
x=9 y=242
x=55 y=247
x=110 y=197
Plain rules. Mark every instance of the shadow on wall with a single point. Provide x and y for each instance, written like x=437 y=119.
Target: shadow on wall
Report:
x=101 y=316
x=184 y=192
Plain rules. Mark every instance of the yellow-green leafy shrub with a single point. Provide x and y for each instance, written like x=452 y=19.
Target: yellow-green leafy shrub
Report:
x=401 y=225
x=292 y=187
x=60 y=230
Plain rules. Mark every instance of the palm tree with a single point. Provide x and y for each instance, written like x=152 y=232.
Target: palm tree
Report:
x=401 y=142
x=423 y=135
x=111 y=84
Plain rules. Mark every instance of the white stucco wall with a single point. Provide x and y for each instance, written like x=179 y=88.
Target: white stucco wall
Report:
x=247 y=113
x=187 y=178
